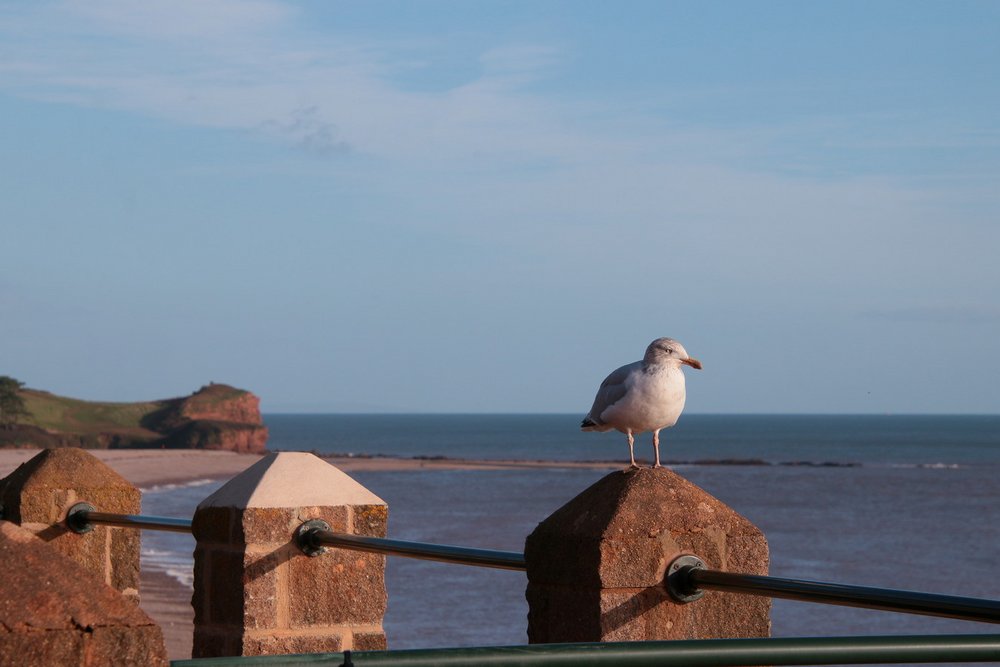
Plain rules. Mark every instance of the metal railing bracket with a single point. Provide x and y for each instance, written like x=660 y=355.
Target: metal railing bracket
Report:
x=678 y=580
x=305 y=537
x=76 y=518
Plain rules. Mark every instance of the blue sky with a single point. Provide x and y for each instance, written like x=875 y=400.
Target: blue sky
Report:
x=487 y=206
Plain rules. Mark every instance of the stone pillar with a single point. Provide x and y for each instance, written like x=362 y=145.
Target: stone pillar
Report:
x=596 y=566
x=37 y=495
x=54 y=611
x=256 y=593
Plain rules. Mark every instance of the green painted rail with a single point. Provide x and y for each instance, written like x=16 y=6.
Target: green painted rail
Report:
x=687 y=653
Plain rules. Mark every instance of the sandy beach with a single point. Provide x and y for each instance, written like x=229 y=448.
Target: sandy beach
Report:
x=146 y=467
x=165 y=599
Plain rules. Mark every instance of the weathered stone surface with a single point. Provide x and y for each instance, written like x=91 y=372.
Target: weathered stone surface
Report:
x=369 y=641
x=256 y=592
x=338 y=517
x=264 y=587
x=38 y=494
x=216 y=524
x=370 y=520
x=41 y=489
x=571 y=614
x=214 y=643
x=331 y=642
x=124 y=560
x=596 y=565
x=226 y=585
x=267 y=525
x=339 y=588
x=55 y=612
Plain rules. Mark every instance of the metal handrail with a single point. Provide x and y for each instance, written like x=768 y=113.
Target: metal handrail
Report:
x=687 y=576
x=313 y=535
x=82 y=517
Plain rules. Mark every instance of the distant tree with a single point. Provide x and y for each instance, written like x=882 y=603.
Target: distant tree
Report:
x=12 y=405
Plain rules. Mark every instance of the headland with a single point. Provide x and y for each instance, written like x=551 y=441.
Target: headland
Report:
x=216 y=417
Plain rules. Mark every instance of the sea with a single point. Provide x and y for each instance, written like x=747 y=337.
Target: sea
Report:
x=893 y=501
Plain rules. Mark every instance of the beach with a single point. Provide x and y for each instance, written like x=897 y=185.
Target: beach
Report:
x=151 y=467
x=155 y=467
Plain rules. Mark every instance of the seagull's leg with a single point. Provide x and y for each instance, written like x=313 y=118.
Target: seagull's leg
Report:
x=656 y=448
x=631 y=449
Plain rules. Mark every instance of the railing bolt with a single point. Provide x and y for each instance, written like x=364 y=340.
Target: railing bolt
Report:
x=678 y=580
x=76 y=518
x=304 y=537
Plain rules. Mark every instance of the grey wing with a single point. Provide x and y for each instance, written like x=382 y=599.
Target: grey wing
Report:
x=611 y=391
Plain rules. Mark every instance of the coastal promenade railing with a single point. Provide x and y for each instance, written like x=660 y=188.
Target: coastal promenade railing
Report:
x=256 y=595
x=687 y=576
x=312 y=536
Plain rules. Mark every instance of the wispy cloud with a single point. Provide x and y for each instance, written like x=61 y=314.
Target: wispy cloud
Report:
x=258 y=66
x=253 y=66
x=307 y=130
x=623 y=175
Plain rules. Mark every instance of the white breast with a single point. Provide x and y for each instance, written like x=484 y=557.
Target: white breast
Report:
x=654 y=400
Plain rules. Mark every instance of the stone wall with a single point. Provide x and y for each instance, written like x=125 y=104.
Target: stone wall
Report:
x=596 y=567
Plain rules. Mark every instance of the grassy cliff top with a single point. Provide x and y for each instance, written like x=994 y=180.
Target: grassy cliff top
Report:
x=71 y=415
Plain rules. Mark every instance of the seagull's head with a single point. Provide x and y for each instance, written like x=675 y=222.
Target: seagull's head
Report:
x=668 y=350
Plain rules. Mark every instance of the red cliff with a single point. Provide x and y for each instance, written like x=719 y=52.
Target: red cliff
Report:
x=216 y=416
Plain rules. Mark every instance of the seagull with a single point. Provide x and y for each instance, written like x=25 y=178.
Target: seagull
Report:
x=645 y=395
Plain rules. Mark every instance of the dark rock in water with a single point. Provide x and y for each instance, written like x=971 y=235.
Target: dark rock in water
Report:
x=821 y=464
x=731 y=462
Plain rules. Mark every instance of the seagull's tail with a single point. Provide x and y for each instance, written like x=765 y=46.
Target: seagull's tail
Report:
x=588 y=424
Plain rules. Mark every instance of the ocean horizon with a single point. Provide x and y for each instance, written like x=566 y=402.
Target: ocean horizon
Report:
x=817 y=438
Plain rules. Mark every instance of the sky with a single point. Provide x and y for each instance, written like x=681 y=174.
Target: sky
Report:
x=488 y=206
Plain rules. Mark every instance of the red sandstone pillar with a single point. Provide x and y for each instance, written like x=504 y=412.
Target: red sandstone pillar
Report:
x=54 y=611
x=38 y=494
x=256 y=593
x=596 y=566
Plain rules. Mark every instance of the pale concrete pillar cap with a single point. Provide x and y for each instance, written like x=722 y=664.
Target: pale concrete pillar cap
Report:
x=291 y=479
